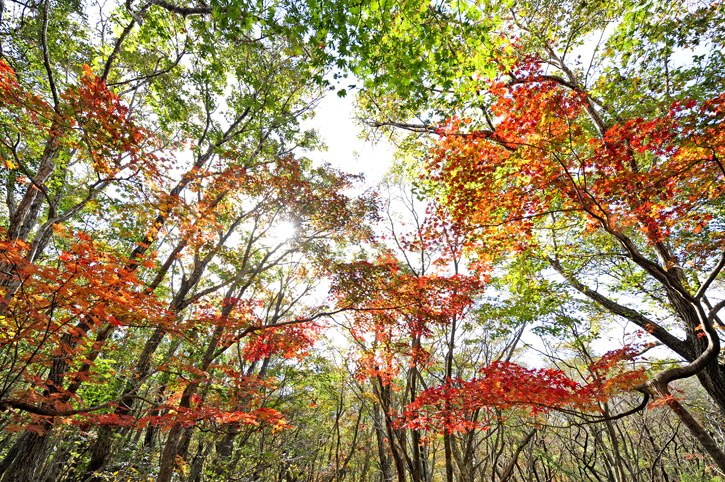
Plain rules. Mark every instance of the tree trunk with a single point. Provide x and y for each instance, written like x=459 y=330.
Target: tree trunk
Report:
x=702 y=436
x=100 y=451
x=198 y=463
x=168 y=457
x=23 y=460
x=380 y=437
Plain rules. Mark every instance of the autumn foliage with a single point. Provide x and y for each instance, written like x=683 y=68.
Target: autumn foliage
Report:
x=504 y=386
x=543 y=159
x=134 y=280
x=185 y=296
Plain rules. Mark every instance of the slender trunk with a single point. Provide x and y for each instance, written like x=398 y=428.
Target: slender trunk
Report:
x=396 y=440
x=52 y=468
x=26 y=213
x=168 y=457
x=614 y=443
x=197 y=464
x=173 y=441
x=418 y=460
x=366 y=460
x=185 y=443
x=224 y=449
x=100 y=452
x=702 y=436
x=380 y=437
x=509 y=469
x=447 y=442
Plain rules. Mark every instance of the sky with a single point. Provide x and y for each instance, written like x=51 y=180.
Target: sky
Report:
x=334 y=120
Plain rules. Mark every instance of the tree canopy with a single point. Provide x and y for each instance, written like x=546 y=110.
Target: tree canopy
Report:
x=532 y=293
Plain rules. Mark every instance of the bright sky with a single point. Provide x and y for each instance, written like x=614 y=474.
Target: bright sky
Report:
x=334 y=120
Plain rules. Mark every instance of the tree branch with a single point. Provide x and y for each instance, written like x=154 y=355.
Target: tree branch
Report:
x=46 y=56
x=48 y=412
x=121 y=38
x=635 y=317
x=711 y=277
x=183 y=11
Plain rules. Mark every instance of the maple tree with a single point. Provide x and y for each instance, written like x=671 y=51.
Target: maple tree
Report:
x=607 y=173
x=641 y=185
x=401 y=306
x=390 y=328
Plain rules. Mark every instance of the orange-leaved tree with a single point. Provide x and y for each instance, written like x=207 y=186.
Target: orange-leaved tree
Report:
x=151 y=240
x=596 y=199
x=395 y=315
x=581 y=148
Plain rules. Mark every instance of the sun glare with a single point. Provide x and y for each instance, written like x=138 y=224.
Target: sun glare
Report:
x=282 y=232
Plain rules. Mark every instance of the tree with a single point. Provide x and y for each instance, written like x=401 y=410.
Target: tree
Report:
x=605 y=170
x=139 y=187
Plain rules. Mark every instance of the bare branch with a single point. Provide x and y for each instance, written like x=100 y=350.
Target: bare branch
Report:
x=46 y=56
x=711 y=277
x=119 y=41
x=183 y=11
